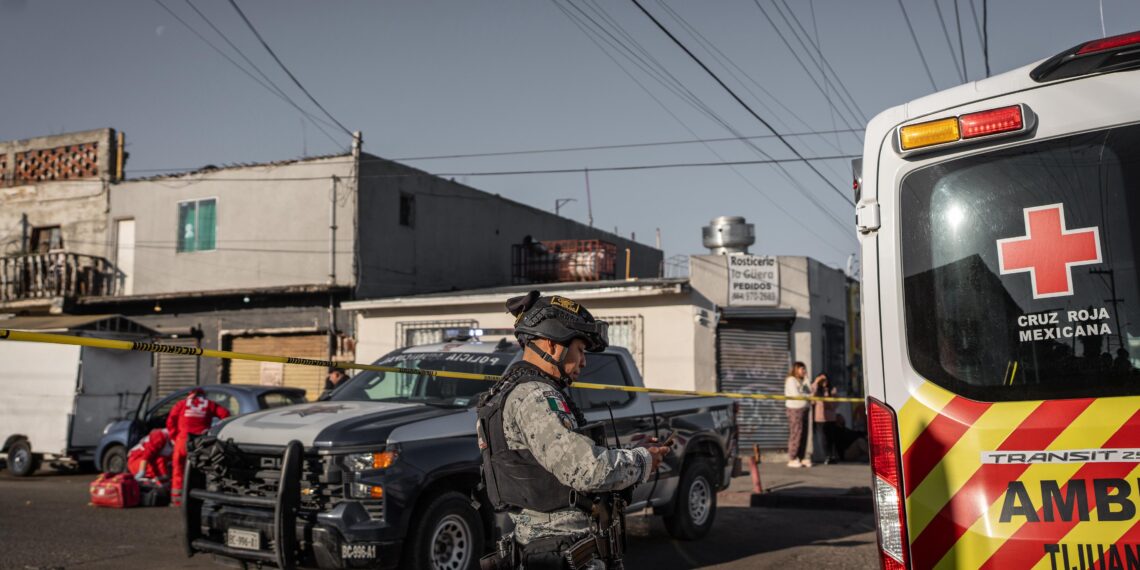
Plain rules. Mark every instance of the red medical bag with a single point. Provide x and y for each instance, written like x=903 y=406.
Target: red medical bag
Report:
x=117 y=491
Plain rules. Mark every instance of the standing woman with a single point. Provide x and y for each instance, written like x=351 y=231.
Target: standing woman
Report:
x=796 y=385
x=825 y=417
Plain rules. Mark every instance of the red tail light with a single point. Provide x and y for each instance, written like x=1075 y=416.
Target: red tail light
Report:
x=991 y=122
x=1123 y=40
x=889 y=505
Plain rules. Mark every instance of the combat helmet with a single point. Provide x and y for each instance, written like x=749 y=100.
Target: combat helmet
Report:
x=558 y=319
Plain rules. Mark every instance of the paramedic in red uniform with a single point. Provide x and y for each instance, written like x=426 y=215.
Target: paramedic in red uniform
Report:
x=150 y=459
x=189 y=417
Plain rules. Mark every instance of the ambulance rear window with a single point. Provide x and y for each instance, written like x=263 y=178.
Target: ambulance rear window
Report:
x=1019 y=266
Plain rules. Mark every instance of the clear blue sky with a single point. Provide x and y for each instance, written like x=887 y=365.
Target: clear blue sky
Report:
x=447 y=77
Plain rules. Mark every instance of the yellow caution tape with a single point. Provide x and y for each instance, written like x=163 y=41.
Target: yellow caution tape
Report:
x=22 y=336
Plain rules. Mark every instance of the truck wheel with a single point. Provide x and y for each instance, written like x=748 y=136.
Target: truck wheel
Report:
x=115 y=459
x=21 y=461
x=446 y=535
x=695 y=506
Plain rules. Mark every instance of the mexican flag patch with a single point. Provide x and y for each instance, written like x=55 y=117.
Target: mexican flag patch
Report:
x=558 y=405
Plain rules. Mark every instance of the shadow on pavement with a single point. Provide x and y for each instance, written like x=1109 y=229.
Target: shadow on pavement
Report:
x=754 y=537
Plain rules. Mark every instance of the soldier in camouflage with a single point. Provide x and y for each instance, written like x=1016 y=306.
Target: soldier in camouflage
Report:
x=536 y=466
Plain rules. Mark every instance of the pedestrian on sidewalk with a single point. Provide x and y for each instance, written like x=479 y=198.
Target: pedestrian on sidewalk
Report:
x=796 y=385
x=824 y=416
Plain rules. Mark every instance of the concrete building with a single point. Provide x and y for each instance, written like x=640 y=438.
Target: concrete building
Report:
x=54 y=232
x=257 y=258
x=686 y=333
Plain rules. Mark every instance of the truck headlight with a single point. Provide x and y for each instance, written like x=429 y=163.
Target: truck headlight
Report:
x=358 y=464
x=365 y=461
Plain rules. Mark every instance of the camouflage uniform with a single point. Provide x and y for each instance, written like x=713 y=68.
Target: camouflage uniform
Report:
x=539 y=419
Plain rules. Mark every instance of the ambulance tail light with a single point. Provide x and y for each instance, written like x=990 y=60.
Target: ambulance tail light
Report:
x=887 y=475
x=991 y=122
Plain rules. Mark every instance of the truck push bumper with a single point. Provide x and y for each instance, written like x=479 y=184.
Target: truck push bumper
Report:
x=280 y=538
x=285 y=507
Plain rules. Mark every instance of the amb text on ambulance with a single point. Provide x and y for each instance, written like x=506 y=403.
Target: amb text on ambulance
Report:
x=1000 y=230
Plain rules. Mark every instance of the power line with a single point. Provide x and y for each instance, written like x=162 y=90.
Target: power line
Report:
x=919 y=46
x=819 y=50
x=961 y=44
x=255 y=67
x=949 y=44
x=649 y=59
x=590 y=35
x=729 y=65
x=728 y=89
x=985 y=34
x=826 y=95
x=627 y=145
x=286 y=69
x=536 y=171
x=279 y=95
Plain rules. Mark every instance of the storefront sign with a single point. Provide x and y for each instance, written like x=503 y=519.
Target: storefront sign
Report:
x=753 y=281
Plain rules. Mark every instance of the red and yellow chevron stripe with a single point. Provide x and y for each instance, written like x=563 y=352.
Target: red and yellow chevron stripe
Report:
x=955 y=502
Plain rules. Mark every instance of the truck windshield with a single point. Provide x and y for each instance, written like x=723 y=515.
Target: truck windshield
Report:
x=423 y=388
x=1019 y=266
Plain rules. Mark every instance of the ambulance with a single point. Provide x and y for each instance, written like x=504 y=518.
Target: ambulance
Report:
x=1000 y=230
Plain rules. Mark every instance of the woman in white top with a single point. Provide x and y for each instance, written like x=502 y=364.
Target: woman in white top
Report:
x=796 y=385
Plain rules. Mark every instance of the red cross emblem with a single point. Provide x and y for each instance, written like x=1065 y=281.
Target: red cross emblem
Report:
x=1048 y=251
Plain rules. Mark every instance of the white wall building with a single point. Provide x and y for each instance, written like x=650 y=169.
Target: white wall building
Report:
x=686 y=333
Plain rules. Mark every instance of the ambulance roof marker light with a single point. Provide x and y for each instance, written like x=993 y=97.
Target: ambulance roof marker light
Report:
x=955 y=131
x=991 y=122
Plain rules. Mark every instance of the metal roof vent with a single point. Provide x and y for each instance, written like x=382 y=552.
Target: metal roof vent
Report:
x=728 y=234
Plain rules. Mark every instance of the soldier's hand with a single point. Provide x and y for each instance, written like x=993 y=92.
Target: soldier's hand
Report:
x=657 y=453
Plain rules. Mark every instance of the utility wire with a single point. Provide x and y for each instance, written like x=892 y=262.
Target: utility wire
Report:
x=856 y=116
x=629 y=145
x=596 y=38
x=281 y=96
x=286 y=69
x=949 y=44
x=919 y=46
x=729 y=65
x=575 y=170
x=528 y=151
x=255 y=67
x=819 y=50
x=736 y=97
x=985 y=34
x=961 y=45
x=712 y=114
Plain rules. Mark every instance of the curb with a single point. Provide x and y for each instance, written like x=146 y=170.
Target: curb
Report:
x=857 y=499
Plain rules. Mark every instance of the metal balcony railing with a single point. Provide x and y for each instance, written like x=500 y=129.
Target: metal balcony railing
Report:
x=57 y=274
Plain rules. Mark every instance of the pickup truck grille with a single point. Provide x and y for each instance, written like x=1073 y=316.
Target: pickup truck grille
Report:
x=259 y=476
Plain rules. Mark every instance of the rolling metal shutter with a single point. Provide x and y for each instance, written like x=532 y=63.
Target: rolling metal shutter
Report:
x=308 y=378
x=175 y=372
x=753 y=357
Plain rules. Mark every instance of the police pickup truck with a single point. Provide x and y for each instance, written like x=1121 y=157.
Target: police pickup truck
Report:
x=384 y=473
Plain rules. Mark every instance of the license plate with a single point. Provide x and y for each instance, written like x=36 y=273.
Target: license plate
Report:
x=245 y=539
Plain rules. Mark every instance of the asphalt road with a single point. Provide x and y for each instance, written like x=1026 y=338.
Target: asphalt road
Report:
x=46 y=523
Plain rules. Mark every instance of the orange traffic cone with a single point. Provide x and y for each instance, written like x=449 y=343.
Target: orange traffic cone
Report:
x=754 y=466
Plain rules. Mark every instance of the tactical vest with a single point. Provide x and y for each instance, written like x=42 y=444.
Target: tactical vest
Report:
x=514 y=478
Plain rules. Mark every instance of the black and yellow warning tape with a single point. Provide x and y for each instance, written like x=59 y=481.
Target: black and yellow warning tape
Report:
x=24 y=336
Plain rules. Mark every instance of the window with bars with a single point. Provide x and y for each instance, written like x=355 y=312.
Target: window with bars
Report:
x=197 y=225
x=415 y=333
x=628 y=333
